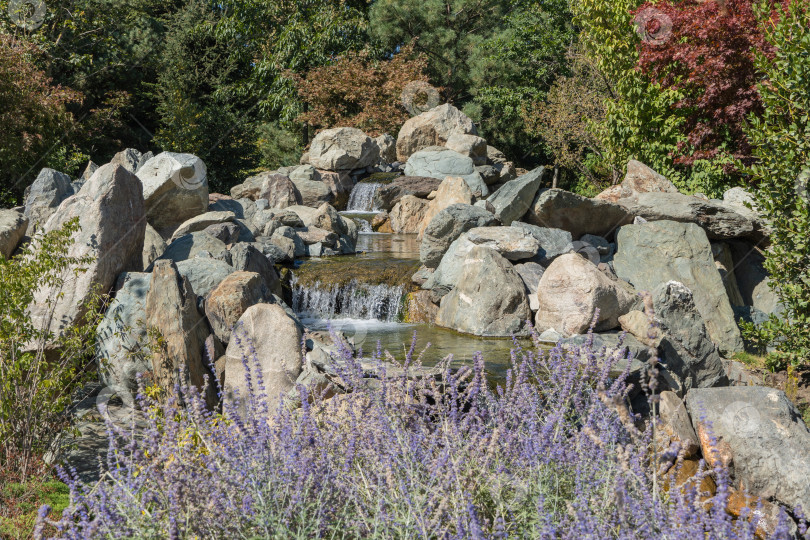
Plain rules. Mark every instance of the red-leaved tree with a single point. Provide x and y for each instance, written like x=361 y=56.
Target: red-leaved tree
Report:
x=356 y=91
x=708 y=54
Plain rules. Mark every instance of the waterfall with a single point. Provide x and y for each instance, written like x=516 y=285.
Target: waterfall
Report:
x=354 y=300
x=362 y=197
x=364 y=226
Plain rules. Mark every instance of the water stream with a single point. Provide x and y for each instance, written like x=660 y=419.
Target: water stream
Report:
x=361 y=198
x=353 y=300
x=362 y=296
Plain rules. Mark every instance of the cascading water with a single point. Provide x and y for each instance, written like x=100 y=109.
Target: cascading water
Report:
x=362 y=197
x=364 y=226
x=354 y=300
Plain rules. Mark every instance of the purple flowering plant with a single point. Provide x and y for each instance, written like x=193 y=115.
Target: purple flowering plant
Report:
x=549 y=451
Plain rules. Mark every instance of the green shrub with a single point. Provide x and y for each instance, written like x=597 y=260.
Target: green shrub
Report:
x=781 y=140
x=38 y=370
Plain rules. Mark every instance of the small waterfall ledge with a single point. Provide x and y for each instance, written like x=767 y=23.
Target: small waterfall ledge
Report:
x=353 y=300
x=362 y=197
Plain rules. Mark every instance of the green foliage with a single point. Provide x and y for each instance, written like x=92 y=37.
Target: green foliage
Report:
x=518 y=66
x=450 y=33
x=38 y=369
x=33 y=116
x=490 y=57
x=567 y=120
x=278 y=39
x=781 y=141
x=197 y=111
x=639 y=119
x=20 y=502
x=277 y=146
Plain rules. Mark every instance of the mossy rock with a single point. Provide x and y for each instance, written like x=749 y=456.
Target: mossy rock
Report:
x=382 y=177
x=341 y=270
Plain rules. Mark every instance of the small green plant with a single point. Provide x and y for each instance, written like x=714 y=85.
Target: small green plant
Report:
x=20 y=502
x=39 y=370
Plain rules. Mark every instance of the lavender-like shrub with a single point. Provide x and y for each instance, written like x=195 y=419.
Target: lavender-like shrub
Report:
x=550 y=452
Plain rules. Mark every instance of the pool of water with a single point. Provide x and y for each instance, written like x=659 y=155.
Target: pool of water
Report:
x=432 y=342
x=380 y=253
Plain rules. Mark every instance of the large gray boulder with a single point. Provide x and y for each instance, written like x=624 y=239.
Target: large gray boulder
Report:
x=340 y=184
x=204 y=273
x=153 y=247
x=752 y=278
x=110 y=211
x=515 y=245
x=121 y=335
x=171 y=312
x=653 y=253
x=242 y=208
x=175 y=188
x=203 y=221
x=452 y=190
x=553 y=242
x=388 y=148
x=560 y=209
x=476 y=307
x=432 y=128
x=194 y=245
x=343 y=149
x=129 y=158
x=46 y=193
x=446 y=227
x=419 y=186
x=718 y=220
x=277 y=189
x=448 y=273
x=246 y=258
x=13 y=225
x=766 y=436
x=471 y=146
x=231 y=298
x=408 y=214
x=276 y=340
x=570 y=292
x=686 y=349
x=251 y=188
x=512 y=243
x=440 y=163
x=513 y=199
x=310 y=188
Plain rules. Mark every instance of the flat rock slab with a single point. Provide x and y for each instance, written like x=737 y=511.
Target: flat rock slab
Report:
x=442 y=162
x=560 y=209
x=718 y=220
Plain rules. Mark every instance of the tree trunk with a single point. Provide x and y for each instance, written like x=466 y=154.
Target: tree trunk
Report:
x=305 y=128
